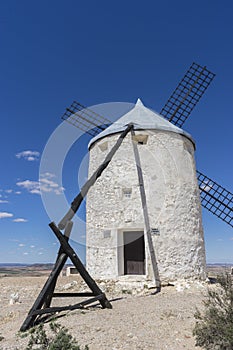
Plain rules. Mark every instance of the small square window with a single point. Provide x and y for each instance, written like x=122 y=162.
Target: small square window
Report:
x=127 y=192
x=140 y=139
x=103 y=146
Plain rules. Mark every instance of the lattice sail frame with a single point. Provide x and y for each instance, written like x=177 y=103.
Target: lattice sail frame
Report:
x=85 y=119
x=216 y=198
x=187 y=94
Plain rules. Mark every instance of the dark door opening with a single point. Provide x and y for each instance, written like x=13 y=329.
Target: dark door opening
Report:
x=134 y=253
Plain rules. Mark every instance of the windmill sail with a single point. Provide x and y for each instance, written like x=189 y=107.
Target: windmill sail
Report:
x=187 y=94
x=216 y=199
x=85 y=119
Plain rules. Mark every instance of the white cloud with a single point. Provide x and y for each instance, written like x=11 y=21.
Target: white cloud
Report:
x=45 y=184
x=25 y=253
x=49 y=182
x=20 y=220
x=18 y=192
x=5 y=215
x=3 y=201
x=21 y=245
x=28 y=155
x=40 y=253
x=28 y=185
x=9 y=191
x=32 y=246
x=48 y=175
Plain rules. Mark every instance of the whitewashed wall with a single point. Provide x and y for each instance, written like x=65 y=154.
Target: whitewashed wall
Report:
x=173 y=202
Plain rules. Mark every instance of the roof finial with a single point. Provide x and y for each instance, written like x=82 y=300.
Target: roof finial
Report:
x=139 y=102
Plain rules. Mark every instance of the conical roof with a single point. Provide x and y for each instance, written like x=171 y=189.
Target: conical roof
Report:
x=143 y=118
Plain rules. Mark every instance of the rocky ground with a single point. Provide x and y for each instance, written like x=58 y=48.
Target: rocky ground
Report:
x=141 y=321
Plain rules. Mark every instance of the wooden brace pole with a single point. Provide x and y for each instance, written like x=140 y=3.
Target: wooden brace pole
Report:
x=145 y=213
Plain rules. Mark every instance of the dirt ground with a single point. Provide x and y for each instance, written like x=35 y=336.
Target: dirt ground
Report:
x=162 y=321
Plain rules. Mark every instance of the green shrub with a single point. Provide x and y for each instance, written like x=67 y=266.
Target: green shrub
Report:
x=214 y=327
x=60 y=339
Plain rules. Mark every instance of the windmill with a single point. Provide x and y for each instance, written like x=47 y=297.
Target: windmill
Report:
x=112 y=237
x=145 y=231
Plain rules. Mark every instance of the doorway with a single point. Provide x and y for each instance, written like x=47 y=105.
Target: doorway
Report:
x=134 y=253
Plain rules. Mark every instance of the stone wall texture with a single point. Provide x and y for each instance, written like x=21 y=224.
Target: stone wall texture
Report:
x=173 y=201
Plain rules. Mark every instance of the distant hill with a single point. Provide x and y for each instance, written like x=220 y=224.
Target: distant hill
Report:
x=44 y=266
x=13 y=265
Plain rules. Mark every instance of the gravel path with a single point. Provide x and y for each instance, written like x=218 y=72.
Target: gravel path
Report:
x=136 y=322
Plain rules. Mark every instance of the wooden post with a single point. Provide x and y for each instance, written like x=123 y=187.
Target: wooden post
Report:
x=29 y=321
x=145 y=213
x=50 y=292
x=90 y=182
x=79 y=266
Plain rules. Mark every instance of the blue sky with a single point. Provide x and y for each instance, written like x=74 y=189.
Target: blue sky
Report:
x=53 y=52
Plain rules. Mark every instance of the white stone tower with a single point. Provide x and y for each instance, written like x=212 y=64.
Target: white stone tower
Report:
x=117 y=246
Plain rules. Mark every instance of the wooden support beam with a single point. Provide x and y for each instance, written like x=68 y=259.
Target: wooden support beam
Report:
x=90 y=182
x=68 y=307
x=61 y=264
x=44 y=292
x=42 y=303
x=79 y=266
x=71 y=295
x=145 y=212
